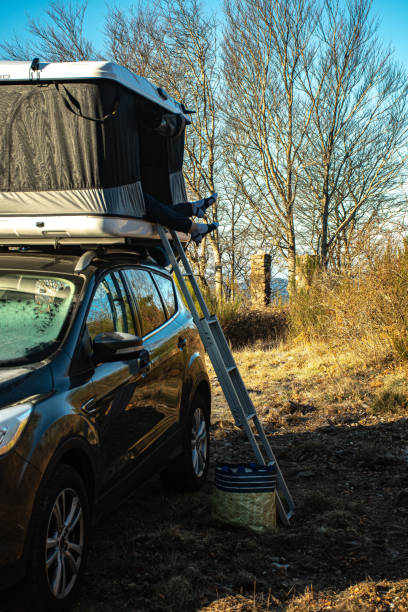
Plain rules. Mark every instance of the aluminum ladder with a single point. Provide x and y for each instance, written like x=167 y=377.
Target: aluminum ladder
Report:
x=227 y=372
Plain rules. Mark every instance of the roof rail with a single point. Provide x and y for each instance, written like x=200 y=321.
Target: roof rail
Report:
x=84 y=261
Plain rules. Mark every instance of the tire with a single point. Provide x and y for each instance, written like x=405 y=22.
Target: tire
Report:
x=188 y=472
x=52 y=586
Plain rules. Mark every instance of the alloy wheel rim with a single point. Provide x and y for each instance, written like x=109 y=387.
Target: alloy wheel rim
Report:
x=64 y=543
x=199 y=442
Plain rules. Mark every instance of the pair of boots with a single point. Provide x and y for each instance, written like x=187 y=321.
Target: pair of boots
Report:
x=199 y=210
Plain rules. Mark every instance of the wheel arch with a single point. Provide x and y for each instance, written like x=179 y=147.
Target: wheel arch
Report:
x=76 y=453
x=193 y=385
x=204 y=389
x=79 y=460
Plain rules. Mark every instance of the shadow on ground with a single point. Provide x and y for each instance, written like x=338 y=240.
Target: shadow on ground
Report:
x=160 y=551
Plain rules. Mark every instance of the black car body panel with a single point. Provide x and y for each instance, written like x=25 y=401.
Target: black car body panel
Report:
x=117 y=423
x=18 y=383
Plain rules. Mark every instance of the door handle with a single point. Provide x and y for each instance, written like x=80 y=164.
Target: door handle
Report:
x=181 y=342
x=89 y=406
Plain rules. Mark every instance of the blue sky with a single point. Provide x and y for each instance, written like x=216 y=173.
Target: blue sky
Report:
x=393 y=15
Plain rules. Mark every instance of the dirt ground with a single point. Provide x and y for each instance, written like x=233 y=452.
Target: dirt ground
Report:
x=339 y=430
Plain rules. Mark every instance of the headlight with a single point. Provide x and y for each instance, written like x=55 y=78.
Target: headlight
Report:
x=12 y=423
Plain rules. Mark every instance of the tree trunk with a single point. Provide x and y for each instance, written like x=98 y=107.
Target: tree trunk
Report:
x=325 y=218
x=218 y=285
x=291 y=259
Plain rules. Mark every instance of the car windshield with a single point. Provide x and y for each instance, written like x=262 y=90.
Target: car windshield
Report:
x=33 y=310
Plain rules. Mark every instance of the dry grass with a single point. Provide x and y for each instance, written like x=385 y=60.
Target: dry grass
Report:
x=366 y=309
x=315 y=375
x=367 y=596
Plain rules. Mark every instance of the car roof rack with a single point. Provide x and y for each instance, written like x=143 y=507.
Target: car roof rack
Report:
x=153 y=255
x=84 y=261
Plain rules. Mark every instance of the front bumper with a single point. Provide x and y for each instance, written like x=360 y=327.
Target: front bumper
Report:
x=19 y=482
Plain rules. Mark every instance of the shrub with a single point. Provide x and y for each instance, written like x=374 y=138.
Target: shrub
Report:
x=267 y=326
x=243 y=325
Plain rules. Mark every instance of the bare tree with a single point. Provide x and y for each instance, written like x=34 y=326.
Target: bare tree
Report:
x=265 y=46
x=59 y=39
x=354 y=161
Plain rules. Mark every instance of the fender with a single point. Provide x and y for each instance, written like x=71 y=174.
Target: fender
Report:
x=69 y=444
x=196 y=375
x=73 y=443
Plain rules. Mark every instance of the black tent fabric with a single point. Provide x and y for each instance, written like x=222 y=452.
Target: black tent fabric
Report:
x=162 y=146
x=87 y=147
x=69 y=148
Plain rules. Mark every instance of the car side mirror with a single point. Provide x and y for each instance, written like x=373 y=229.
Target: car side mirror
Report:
x=117 y=346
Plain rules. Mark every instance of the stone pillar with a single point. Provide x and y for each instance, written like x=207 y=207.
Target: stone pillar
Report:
x=307 y=268
x=260 y=279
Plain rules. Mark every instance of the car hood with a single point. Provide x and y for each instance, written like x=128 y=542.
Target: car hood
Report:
x=21 y=382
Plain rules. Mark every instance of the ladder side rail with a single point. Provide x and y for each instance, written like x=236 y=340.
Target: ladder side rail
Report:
x=187 y=267
x=233 y=401
x=235 y=374
x=232 y=397
x=229 y=391
x=179 y=275
x=243 y=391
x=241 y=419
x=222 y=373
x=205 y=333
x=284 y=515
x=266 y=445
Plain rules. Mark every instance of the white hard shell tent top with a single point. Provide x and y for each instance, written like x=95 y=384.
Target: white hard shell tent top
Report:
x=74 y=71
x=80 y=142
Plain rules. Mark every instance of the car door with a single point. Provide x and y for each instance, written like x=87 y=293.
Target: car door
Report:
x=162 y=338
x=118 y=386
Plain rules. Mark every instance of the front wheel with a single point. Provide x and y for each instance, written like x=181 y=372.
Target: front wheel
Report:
x=60 y=542
x=188 y=471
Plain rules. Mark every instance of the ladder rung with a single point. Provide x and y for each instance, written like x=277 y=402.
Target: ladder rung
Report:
x=231 y=369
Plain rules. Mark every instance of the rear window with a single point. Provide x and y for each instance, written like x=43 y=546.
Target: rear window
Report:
x=166 y=289
x=148 y=299
x=33 y=312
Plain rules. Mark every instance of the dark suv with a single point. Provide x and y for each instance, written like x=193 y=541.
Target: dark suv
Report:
x=102 y=384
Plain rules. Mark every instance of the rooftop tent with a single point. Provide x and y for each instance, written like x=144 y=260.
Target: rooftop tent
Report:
x=83 y=137
x=162 y=146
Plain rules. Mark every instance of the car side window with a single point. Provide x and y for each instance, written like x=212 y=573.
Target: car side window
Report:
x=108 y=310
x=122 y=314
x=166 y=289
x=148 y=299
